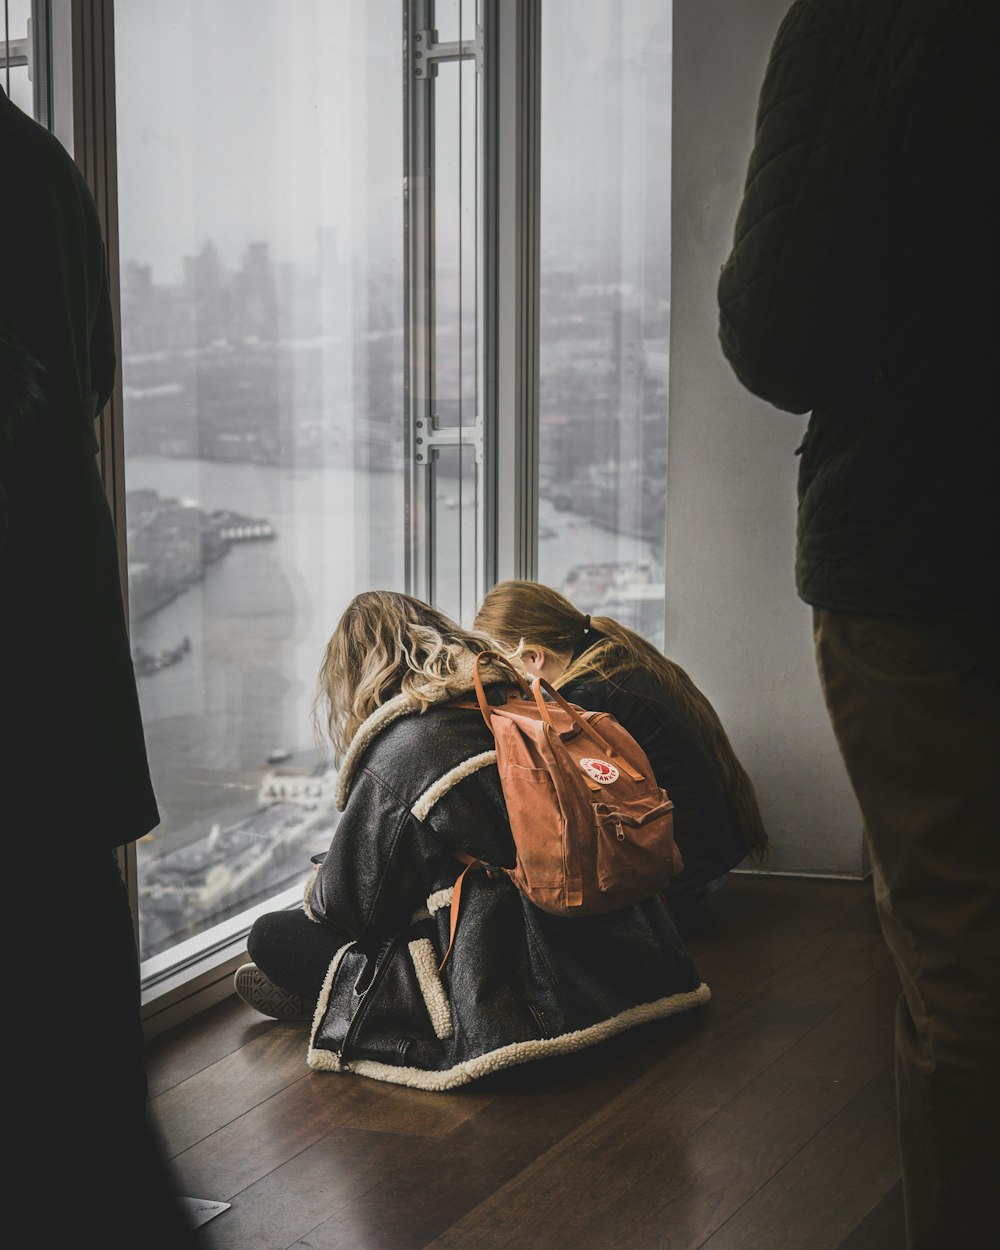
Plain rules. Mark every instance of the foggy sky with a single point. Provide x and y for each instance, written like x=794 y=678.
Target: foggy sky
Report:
x=241 y=120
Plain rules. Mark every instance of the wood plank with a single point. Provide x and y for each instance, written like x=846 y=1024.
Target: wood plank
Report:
x=244 y=1151
x=308 y=1190
x=626 y=1173
x=884 y=1228
x=762 y=923
x=415 y=1112
x=830 y=1185
x=221 y=1029
x=247 y=1149
x=224 y=1091
x=863 y=916
x=756 y=1133
x=536 y=1106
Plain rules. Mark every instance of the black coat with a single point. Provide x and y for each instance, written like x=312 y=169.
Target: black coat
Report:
x=706 y=827
x=861 y=287
x=520 y=984
x=76 y=749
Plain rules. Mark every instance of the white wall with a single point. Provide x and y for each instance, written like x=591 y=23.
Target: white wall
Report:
x=734 y=620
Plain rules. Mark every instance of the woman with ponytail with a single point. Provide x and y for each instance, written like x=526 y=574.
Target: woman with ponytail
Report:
x=599 y=664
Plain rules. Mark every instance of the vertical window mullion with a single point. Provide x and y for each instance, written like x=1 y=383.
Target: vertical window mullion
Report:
x=40 y=51
x=442 y=139
x=511 y=277
x=419 y=314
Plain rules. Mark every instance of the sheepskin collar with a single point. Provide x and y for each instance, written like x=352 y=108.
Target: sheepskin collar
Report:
x=462 y=682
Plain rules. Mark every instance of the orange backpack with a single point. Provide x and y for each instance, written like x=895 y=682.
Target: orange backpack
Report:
x=593 y=832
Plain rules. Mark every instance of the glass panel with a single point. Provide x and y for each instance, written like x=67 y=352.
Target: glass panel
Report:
x=457 y=533
x=260 y=201
x=605 y=305
x=454 y=19
x=456 y=331
x=17 y=14
x=18 y=87
x=456 y=241
x=16 y=79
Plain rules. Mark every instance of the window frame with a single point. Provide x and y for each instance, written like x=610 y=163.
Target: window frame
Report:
x=75 y=44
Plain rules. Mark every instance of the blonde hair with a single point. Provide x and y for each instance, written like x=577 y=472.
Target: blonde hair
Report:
x=520 y=614
x=385 y=644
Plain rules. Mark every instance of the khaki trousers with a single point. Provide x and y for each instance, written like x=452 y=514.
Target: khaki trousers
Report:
x=915 y=705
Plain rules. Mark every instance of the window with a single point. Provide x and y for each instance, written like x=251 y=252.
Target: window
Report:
x=445 y=241
x=395 y=308
x=22 y=59
x=260 y=217
x=604 y=306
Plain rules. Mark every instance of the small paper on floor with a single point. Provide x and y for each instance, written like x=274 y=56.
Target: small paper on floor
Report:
x=203 y=1209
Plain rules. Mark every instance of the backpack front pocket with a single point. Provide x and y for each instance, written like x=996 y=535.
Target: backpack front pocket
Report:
x=635 y=854
x=537 y=824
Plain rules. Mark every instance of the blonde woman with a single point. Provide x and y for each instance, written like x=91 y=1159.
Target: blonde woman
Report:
x=599 y=664
x=362 y=958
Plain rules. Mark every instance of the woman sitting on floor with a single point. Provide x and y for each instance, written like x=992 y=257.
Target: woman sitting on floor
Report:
x=362 y=958
x=600 y=665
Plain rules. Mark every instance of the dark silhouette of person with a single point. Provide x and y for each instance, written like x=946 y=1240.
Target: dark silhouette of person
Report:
x=85 y=1154
x=860 y=289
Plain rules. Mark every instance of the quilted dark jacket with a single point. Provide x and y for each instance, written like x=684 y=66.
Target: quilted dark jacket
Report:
x=520 y=984
x=861 y=288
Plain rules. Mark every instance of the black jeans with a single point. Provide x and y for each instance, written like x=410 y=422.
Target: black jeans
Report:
x=293 y=951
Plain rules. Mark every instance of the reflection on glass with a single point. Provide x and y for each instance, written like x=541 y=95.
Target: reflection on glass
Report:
x=15 y=33
x=605 y=305
x=457 y=536
x=262 y=297
x=455 y=19
x=457 y=532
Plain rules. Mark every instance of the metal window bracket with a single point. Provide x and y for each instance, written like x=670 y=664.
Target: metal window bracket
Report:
x=15 y=52
x=430 y=438
x=427 y=53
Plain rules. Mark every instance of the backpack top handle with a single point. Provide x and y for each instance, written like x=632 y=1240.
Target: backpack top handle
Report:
x=539 y=685
x=517 y=679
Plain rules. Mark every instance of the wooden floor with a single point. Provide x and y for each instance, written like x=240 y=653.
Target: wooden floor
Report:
x=764 y=1121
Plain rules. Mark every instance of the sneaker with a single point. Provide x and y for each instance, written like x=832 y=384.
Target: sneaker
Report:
x=261 y=993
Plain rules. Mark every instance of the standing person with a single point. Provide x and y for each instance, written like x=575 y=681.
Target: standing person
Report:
x=599 y=664
x=394 y=992
x=860 y=288
x=86 y=1162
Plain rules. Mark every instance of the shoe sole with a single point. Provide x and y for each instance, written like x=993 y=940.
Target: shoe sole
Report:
x=260 y=993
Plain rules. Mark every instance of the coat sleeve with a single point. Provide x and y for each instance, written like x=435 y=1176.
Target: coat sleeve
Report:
x=784 y=293
x=380 y=868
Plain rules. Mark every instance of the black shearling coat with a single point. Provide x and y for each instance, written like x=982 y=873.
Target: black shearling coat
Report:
x=520 y=984
x=861 y=287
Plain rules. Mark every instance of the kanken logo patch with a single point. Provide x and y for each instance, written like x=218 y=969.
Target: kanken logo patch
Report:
x=600 y=770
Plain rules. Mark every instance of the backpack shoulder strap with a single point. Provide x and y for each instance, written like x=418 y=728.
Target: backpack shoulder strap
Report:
x=470 y=862
x=456 y=899
x=481 y=701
